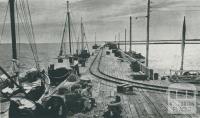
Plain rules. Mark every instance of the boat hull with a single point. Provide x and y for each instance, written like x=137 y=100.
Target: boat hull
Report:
x=58 y=75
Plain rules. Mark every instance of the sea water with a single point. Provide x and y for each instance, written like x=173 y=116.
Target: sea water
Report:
x=162 y=58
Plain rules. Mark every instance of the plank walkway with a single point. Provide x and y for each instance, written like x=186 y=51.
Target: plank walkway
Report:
x=140 y=104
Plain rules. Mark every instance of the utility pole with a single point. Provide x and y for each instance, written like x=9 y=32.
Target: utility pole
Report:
x=118 y=40
x=147 y=44
x=183 y=43
x=130 y=34
x=125 y=40
x=95 y=38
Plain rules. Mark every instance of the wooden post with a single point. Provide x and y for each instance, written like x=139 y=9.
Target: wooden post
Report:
x=130 y=34
x=125 y=40
x=183 y=44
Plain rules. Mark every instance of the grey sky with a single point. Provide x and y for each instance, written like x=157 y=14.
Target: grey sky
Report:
x=108 y=17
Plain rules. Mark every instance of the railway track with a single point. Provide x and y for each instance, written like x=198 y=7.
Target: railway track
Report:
x=95 y=71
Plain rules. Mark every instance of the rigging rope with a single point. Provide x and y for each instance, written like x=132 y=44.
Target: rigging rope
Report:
x=28 y=28
x=33 y=34
x=18 y=33
x=85 y=38
x=75 y=32
x=63 y=46
x=4 y=22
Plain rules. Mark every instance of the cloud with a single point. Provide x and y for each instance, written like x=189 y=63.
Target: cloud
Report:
x=108 y=17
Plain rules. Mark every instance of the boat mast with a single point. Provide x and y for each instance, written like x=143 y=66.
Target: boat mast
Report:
x=77 y=46
x=82 y=37
x=125 y=40
x=130 y=34
x=13 y=33
x=118 y=40
x=115 y=38
x=69 y=28
x=183 y=43
x=147 y=44
x=95 y=38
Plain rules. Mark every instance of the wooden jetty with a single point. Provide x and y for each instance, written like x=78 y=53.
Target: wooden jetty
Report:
x=140 y=103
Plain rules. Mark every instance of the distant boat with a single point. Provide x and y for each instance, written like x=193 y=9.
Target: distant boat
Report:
x=60 y=70
x=184 y=76
x=84 y=52
x=95 y=46
x=137 y=56
x=31 y=85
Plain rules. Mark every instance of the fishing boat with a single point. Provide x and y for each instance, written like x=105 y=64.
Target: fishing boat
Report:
x=84 y=52
x=61 y=69
x=23 y=87
x=184 y=76
x=95 y=46
x=137 y=56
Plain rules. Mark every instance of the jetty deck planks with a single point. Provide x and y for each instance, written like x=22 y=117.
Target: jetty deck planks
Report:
x=139 y=104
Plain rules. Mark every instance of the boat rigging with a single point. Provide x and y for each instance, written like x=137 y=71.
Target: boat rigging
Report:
x=32 y=83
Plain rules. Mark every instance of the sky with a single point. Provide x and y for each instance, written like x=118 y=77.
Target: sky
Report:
x=109 y=18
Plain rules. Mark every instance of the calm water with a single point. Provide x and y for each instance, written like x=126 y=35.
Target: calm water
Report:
x=46 y=53
x=162 y=57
